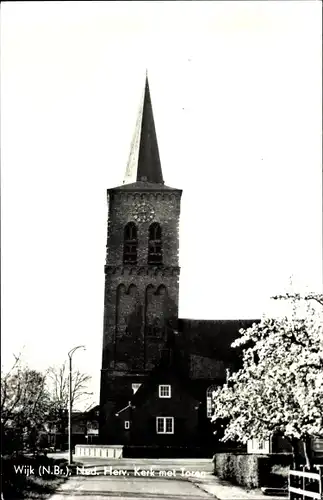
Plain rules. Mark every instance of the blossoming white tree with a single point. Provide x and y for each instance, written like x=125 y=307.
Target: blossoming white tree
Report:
x=280 y=385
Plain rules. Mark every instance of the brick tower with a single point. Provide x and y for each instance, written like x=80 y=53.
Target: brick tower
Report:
x=141 y=274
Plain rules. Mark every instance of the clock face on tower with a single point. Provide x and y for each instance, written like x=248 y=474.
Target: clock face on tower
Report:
x=143 y=212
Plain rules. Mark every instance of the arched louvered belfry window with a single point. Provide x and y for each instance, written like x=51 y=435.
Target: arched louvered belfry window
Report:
x=155 y=249
x=130 y=245
x=209 y=400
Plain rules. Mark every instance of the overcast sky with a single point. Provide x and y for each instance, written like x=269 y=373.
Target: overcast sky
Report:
x=237 y=97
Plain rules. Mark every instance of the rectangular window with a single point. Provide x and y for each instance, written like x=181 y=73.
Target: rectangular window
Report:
x=135 y=387
x=164 y=391
x=165 y=425
x=127 y=424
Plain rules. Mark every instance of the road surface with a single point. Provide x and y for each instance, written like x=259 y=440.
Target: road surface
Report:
x=104 y=479
x=102 y=487
x=129 y=488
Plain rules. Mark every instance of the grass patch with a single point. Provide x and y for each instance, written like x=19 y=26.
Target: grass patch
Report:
x=37 y=488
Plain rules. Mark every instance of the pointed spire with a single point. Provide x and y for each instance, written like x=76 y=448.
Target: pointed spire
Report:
x=144 y=162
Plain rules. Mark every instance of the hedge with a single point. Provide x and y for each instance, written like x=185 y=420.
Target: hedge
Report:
x=251 y=470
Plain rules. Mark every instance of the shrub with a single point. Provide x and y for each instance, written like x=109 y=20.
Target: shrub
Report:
x=252 y=471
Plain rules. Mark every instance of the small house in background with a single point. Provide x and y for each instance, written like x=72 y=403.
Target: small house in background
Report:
x=92 y=425
x=279 y=444
x=259 y=446
x=318 y=447
x=85 y=429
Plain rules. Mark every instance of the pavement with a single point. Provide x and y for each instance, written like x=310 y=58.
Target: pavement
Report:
x=150 y=479
x=223 y=490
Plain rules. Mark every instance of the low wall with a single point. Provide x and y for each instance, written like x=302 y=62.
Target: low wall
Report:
x=99 y=451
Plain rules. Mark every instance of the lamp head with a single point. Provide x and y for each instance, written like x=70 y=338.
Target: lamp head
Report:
x=75 y=348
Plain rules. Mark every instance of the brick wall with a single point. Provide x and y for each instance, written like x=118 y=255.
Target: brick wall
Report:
x=130 y=290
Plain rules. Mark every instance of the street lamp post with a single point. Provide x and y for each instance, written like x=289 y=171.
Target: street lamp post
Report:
x=70 y=453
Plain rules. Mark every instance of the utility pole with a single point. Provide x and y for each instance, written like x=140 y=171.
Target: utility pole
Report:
x=70 y=451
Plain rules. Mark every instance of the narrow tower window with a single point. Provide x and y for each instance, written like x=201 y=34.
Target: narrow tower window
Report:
x=130 y=244
x=155 y=251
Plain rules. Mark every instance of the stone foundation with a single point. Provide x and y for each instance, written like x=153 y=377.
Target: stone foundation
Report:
x=99 y=451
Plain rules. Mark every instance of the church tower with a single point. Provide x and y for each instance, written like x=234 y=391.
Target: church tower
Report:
x=141 y=274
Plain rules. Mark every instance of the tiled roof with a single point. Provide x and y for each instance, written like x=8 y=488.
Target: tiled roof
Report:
x=164 y=374
x=212 y=338
x=209 y=339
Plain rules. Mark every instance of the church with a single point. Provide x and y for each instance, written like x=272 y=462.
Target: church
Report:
x=158 y=370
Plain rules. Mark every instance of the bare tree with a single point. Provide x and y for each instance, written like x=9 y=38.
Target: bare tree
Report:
x=58 y=386
x=9 y=397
